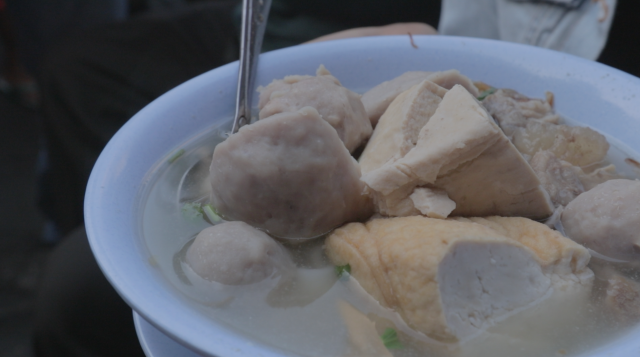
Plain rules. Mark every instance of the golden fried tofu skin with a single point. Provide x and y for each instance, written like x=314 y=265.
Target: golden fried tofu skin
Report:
x=451 y=279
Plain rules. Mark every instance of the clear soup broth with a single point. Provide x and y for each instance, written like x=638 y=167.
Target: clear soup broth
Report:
x=302 y=315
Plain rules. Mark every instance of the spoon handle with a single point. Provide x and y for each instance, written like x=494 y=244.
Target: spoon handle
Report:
x=254 y=20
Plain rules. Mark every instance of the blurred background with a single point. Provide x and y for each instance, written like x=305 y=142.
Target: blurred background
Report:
x=73 y=71
x=30 y=29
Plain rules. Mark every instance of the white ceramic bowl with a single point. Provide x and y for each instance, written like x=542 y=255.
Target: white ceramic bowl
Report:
x=596 y=95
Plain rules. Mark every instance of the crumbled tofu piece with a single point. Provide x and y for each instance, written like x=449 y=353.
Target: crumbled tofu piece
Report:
x=533 y=125
x=513 y=110
x=564 y=181
x=580 y=146
x=432 y=202
x=558 y=177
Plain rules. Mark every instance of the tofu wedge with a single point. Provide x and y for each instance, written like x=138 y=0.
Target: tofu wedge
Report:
x=462 y=151
x=398 y=129
x=377 y=99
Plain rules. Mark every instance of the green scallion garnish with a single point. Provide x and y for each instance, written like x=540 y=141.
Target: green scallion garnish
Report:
x=487 y=93
x=175 y=156
x=390 y=339
x=341 y=269
x=211 y=213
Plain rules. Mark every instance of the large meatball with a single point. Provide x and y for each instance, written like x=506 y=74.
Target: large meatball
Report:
x=339 y=106
x=607 y=219
x=288 y=174
x=234 y=253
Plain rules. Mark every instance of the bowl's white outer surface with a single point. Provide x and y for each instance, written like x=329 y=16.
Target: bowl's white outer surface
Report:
x=594 y=94
x=154 y=343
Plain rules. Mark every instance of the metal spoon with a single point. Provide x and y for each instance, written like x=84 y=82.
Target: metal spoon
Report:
x=254 y=21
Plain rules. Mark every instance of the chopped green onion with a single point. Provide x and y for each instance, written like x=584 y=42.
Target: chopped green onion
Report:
x=340 y=269
x=192 y=211
x=486 y=93
x=211 y=213
x=390 y=339
x=175 y=156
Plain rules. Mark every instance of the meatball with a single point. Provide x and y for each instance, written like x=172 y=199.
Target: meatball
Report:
x=234 y=253
x=288 y=174
x=339 y=106
x=605 y=219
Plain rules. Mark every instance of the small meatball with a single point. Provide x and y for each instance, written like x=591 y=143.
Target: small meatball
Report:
x=605 y=219
x=339 y=106
x=289 y=175
x=234 y=253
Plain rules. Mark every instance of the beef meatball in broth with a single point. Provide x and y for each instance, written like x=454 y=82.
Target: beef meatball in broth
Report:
x=234 y=253
x=288 y=174
x=339 y=106
x=606 y=219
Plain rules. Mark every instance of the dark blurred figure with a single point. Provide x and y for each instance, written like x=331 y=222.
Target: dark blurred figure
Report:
x=78 y=313
x=94 y=82
x=41 y=24
x=622 y=50
x=15 y=81
x=37 y=26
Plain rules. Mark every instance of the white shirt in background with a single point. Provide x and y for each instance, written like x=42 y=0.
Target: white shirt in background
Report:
x=581 y=31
